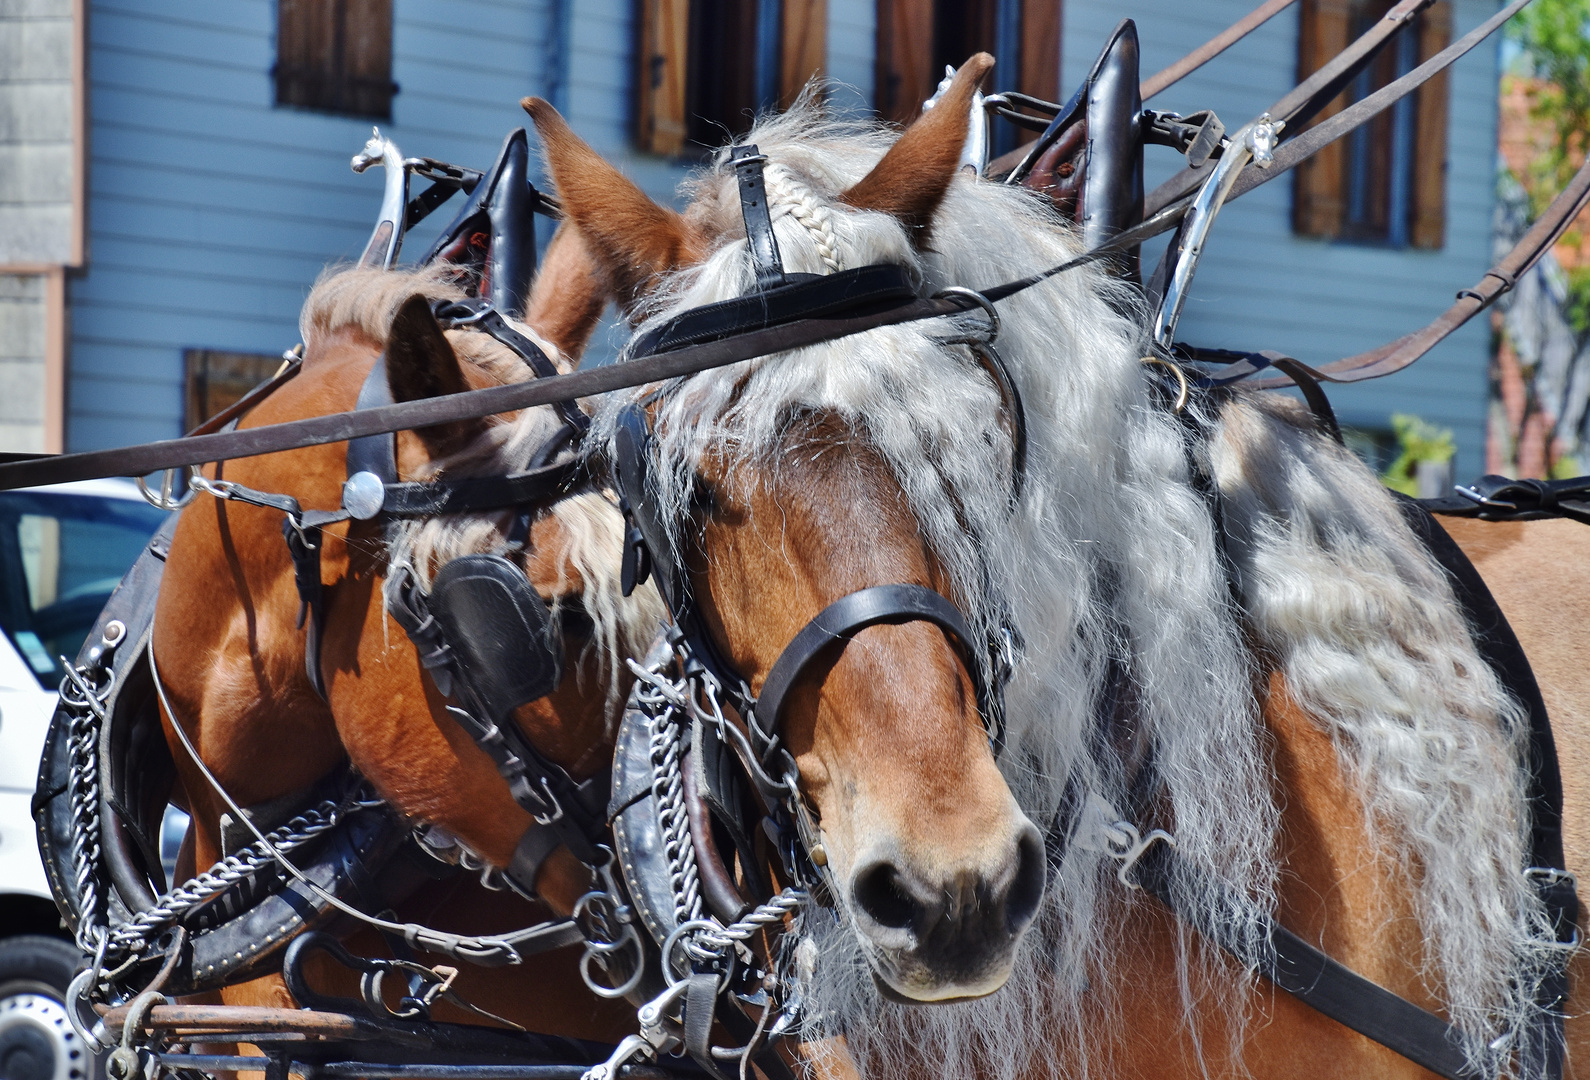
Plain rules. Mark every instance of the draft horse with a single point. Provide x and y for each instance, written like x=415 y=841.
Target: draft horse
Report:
x=230 y=647
x=1217 y=624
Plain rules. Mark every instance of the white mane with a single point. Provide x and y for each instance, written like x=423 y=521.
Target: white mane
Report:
x=1110 y=559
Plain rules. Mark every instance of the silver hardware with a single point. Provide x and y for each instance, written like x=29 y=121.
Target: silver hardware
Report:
x=989 y=334
x=1244 y=146
x=387 y=238
x=632 y=1047
x=114 y=631
x=165 y=500
x=363 y=495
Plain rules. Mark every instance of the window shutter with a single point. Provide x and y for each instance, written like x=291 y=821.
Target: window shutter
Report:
x=904 y=76
x=1040 y=53
x=367 y=57
x=805 y=46
x=1317 y=194
x=1428 y=227
x=665 y=33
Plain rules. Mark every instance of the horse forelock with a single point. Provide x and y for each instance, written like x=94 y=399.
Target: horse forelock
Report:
x=592 y=527
x=1111 y=560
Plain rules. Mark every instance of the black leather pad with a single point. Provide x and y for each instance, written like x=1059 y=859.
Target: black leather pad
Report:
x=500 y=632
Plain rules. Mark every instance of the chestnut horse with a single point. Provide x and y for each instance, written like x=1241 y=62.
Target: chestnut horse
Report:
x=1295 y=696
x=232 y=656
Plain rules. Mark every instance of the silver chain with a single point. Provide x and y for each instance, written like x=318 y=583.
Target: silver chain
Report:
x=667 y=702
x=84 y=692
x=134 y=936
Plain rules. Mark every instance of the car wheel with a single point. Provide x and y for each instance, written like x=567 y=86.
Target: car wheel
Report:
x=36 y=1039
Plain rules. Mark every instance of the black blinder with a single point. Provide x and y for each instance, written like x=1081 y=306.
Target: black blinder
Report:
x=501 y=633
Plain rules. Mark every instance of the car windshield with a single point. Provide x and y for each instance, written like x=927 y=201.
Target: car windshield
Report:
x=61 y=554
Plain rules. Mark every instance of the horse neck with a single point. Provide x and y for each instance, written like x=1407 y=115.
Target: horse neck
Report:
x=1336 y=890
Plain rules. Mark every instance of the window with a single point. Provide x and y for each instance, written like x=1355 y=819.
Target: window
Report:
x=215 y=380
x=1385 y=182
x=335 y=56
x=62 y=551
x=708 y=66
x=917 y=39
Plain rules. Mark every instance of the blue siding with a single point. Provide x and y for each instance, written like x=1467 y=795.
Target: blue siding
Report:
x=1260 y=287
x=211 y=212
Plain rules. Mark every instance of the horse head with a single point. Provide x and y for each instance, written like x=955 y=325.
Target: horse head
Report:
x=230 y=602
x=780 y=499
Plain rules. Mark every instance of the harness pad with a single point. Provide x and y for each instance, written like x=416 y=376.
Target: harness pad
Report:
x=500 y=632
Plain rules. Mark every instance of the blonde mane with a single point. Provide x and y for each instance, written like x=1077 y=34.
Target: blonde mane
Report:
x=588 y=560
x=1110 y=562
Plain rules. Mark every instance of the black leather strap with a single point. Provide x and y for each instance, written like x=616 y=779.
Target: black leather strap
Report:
x=374 y=453
x=482 y=316
x=529 y=854
x=765 y=259
x=1321 y=983
x=847 y=616
x=1503 y=498
x=483 y=492
x=800 y=296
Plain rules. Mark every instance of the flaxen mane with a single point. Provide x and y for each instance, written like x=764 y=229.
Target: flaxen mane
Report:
x=593 y=529
x=1110 y=562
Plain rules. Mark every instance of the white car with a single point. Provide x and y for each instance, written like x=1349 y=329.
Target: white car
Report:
x=62 y=551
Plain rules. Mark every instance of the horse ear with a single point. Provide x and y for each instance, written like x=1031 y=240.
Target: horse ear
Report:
x=631 y=238
x=420 y=363
x=569 y=293
x=913 y=176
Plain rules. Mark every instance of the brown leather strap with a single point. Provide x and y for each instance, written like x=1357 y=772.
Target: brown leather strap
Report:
x=1212 y=48
x=1305 y=99
x=449 y=408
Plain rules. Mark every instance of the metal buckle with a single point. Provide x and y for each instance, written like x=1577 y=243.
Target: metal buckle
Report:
x=165 y=500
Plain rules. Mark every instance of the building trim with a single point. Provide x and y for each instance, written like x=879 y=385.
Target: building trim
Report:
x=55 y=360
x=79 y=240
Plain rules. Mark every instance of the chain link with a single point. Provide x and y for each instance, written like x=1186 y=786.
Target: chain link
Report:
x=84 y=693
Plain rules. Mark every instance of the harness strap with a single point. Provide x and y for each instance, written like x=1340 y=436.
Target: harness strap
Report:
x=1319 y=982
x=375 y=454
x=848 y=616
x=480 y=315
x=765 y=259
x=1503 y=498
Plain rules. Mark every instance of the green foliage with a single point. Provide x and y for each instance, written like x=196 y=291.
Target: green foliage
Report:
x=1416 y=441
x=1555 y=36
x=1577 y=309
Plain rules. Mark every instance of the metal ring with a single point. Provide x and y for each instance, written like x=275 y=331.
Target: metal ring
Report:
x=629 y=985
x=676 y=939
x=981 y=301
x=164 y=500
x=1183 y=389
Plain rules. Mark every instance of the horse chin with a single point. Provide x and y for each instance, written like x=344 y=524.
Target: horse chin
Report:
x=907 y=980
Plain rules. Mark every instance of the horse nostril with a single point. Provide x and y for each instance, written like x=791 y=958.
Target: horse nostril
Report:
x=879 y=892
x=1026 y=888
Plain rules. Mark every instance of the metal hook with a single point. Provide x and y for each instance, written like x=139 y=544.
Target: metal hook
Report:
x=1183 y=388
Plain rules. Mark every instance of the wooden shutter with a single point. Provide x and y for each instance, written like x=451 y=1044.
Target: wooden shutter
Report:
x=904 y=72
x=1317 y=185
x=805 y=46
x=335 y=55
x=665 y=34
x=1039 y=74
x=1427 y=229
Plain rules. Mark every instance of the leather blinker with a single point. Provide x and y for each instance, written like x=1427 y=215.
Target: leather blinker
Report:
x=499 y=630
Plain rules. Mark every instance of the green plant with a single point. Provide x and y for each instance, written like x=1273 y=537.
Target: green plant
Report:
x=1417 y=441
x=1555 y=37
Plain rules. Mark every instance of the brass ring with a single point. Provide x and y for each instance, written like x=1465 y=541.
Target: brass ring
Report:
x=1183 y=388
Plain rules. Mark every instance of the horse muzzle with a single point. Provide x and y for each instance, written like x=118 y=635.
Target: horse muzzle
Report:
x=944 y=935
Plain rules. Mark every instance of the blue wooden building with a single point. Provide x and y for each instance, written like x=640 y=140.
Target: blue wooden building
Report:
x=202 y=151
